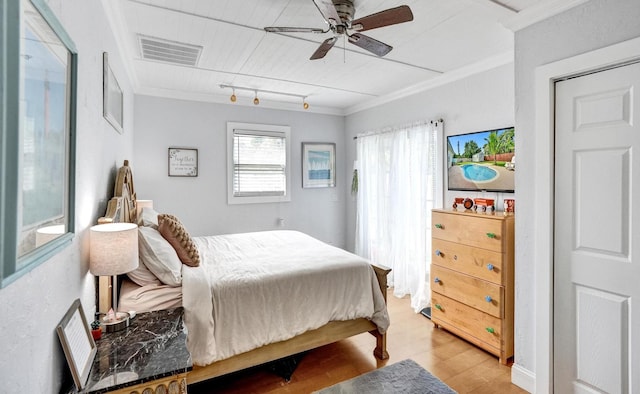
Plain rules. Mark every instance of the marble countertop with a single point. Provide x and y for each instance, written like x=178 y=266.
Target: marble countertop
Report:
x=152 y=347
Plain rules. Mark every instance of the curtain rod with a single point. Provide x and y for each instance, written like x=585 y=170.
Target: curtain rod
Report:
x=431 y=121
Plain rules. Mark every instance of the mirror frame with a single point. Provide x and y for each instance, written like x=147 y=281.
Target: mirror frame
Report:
x=12 y=267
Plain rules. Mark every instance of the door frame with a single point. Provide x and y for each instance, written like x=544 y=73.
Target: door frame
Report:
x=545 y=78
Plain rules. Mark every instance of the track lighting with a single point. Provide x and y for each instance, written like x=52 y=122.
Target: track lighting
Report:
x=256 y=100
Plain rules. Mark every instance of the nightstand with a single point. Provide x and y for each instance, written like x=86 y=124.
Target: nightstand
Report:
x=149 y=356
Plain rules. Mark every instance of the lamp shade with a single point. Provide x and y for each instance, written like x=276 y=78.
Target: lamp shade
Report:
x=48 y=233
x=113 y=248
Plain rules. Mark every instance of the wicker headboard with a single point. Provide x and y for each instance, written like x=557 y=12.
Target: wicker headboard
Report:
x=122 y=206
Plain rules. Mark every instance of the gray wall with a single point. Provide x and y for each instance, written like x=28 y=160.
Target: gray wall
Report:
x=32 y=360
x=593 y=25
x=479 y=102
x=201 y=202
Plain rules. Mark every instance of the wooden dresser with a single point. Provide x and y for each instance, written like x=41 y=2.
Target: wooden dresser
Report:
x=472 y=278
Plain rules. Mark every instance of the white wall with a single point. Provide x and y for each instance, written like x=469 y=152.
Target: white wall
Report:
x=31 y=359
x=593 y=25
x=480 y=102
x=201 y=202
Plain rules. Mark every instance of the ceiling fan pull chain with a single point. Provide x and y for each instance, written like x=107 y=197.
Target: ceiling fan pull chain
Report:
x=344 y=48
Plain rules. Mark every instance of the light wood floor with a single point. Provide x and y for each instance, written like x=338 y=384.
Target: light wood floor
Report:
x=459 y=364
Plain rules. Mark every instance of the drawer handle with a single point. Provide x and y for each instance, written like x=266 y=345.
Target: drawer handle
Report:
x=438 y=307
x=455 y=257
x=437 y=280
x=491 y=235
x=490 y=330
x=438 y=225
x=488 y=298
x=438 y=252
x=490 y=267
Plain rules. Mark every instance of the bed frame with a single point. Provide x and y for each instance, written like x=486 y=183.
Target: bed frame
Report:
x=122 y=208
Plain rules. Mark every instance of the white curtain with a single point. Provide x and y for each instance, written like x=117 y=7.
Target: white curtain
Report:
x=396 y=192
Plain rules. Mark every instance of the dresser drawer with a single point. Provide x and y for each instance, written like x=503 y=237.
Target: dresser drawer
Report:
x=481 y=232
x=482 y=263
x=477 y=293
x=480 y=325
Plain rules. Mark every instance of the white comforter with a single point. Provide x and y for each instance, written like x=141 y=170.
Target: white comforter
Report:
x=253 y=289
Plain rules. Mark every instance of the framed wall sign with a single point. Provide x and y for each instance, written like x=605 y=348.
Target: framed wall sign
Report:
x=77 y=343
x=112 y=104
x=183 y=162
x=318 y=164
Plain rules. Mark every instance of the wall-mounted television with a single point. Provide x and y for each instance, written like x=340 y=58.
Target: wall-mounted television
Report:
x=482 y=161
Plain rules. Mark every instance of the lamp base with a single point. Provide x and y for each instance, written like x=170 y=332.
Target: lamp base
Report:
x=120 y=322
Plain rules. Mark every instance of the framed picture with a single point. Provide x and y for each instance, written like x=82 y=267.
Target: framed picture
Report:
x=318 y=164
x=183 y=162
x=112 y=103
x=77 y=343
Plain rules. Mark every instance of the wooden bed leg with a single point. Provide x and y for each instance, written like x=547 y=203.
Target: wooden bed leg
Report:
x=380 y=352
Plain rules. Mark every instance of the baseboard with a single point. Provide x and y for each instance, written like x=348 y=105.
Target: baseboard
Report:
x=523 y=378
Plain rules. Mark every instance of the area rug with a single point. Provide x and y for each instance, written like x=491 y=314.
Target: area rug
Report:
x=405 y=377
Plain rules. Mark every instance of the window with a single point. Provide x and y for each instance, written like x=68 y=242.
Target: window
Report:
x=37 y=116
x=257 y=163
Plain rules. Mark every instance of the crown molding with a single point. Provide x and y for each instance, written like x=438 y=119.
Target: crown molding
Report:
x=119 y=30
x=539 y=12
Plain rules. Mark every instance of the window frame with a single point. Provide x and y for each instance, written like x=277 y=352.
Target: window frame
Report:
x=259 y=129
x=13 y=267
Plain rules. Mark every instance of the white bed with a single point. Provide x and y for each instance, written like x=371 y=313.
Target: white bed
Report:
x=256 y=297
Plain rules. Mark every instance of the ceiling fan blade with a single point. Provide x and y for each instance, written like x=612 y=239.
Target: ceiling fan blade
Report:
x=372 y=45
x=388 y=17
x=328 y=11
x=279 y=29
x=324 y=48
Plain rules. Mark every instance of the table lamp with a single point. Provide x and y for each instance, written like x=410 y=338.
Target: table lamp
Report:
x=113 y=251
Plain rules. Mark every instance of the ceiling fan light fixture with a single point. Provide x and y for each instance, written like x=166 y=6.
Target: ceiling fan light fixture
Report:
x=338 y=14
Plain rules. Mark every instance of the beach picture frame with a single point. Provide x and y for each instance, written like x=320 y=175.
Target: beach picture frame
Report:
x=318 y=164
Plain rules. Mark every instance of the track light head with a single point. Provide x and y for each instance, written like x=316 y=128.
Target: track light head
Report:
x=233 y=97
x=256 y=100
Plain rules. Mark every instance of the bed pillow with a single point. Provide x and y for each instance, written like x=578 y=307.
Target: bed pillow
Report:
x=148 y=218
x=142 y=276
x=159 y=256
x=175 y=233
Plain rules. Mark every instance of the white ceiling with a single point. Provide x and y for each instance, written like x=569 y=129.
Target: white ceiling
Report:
x=446 y=38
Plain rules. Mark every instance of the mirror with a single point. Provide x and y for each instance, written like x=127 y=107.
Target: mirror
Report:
x=39 y=159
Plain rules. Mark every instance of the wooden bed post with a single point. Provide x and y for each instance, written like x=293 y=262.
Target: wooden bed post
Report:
x=380 y=351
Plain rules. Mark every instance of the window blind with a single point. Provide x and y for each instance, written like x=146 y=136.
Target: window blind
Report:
x=259 y=163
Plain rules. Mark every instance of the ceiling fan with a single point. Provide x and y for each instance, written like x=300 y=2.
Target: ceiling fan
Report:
x=339 y=16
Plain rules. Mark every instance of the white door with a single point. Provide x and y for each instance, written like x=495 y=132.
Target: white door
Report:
x=597 y=233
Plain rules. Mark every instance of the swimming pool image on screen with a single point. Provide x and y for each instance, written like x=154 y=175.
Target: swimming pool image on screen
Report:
x=482 y=161
x=477 y=173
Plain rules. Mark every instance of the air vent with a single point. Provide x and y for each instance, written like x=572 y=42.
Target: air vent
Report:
x=159 y=50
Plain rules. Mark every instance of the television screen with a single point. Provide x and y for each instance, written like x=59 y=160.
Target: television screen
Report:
x=482 y=161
